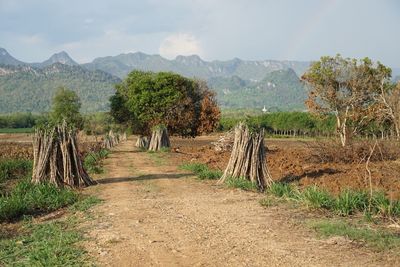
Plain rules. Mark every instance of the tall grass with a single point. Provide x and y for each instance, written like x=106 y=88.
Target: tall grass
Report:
x=29 y=199
x=348 y=202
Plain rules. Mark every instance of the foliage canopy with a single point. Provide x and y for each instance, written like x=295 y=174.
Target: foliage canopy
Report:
x=146 y=99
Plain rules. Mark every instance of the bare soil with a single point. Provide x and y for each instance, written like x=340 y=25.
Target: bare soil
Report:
x=155 y=215
x=289 y=161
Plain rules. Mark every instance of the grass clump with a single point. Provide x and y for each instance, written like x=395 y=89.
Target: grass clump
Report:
x=92 y=161
x=14 y=168
x=202 y=171
x=241 y=183
x=46 y=244
x=284 y=190
x=28 y=199
x=317 y=198
x=348 y=202
x=379 y=239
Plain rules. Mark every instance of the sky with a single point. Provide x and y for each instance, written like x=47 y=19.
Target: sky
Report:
x=32 y=30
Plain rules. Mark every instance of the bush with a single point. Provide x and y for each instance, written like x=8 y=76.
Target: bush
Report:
x=27 y=199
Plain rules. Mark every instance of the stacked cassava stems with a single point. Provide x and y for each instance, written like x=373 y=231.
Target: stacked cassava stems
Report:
x=159 y=139
x=142 y=142
x=111 y=140
x=56 y=158
x=248 y=158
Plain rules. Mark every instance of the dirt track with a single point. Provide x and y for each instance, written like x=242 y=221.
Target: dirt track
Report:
x=155 y=215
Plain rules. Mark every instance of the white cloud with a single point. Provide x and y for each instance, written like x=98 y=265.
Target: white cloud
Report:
x=180 y=44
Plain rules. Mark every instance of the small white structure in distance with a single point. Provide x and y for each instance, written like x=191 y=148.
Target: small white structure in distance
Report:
x=264 y=110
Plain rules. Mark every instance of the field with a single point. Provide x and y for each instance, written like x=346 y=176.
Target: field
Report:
x=298 y=162
x=147 y=210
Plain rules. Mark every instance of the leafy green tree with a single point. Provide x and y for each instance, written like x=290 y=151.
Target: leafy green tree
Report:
x=66 y=106
x=146 y=99
x=346 y=88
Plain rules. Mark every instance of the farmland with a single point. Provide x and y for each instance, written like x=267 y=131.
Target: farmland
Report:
x=146 y=200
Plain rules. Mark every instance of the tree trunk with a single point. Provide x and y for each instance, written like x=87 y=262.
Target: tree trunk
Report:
x=159 y=139
x=142 y=142
x=56 y=158
x=248 y=158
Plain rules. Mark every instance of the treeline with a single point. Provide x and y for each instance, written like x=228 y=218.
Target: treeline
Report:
x=20 y=120
x=286 y=123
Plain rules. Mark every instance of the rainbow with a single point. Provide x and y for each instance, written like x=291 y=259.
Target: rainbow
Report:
x=307 y=29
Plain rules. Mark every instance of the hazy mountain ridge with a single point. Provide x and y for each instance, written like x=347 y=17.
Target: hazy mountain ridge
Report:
x=30 y=89
x=193 y=66
x=281 y=89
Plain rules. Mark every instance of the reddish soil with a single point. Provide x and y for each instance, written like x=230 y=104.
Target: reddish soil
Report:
x=292 y=161
x=156 y=215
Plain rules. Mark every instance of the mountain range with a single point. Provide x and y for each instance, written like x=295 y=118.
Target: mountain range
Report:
x=238 y=83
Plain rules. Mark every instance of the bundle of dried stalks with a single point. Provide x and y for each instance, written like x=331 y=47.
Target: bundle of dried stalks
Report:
x=56 y=158
x=248 y=158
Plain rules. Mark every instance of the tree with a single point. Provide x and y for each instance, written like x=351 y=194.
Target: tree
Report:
x=388 y=105
x=345 y=87
x=147 y=99
x=66 y=106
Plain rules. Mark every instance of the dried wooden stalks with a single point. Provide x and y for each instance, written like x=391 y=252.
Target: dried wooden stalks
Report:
x=142 y=142
x=56 y=158
x=224 y=143
x=248 y=158
x=159 y=139
x=111 y=140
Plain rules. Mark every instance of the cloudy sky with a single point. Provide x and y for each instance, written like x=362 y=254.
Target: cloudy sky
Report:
x=32 y=30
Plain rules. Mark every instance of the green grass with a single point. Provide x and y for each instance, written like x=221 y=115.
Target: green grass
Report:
x=85 y=203
x=47 y=244
x=93 y=161
x=28 y=199
x=314 y=197
x=379 y=239
x=348 y=202
x=202 y=171
x=16 y=130
x=14 y=169
x=241 y=183
x=283 y=190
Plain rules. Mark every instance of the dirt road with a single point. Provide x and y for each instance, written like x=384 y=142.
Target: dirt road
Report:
x=155 y=215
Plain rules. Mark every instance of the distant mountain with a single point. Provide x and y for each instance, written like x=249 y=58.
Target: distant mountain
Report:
x=397 y=78
x=238 y=83
x=193 y=66
x=7 y=59
x=30 y=89
x=61 y=57
x=280 y=89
